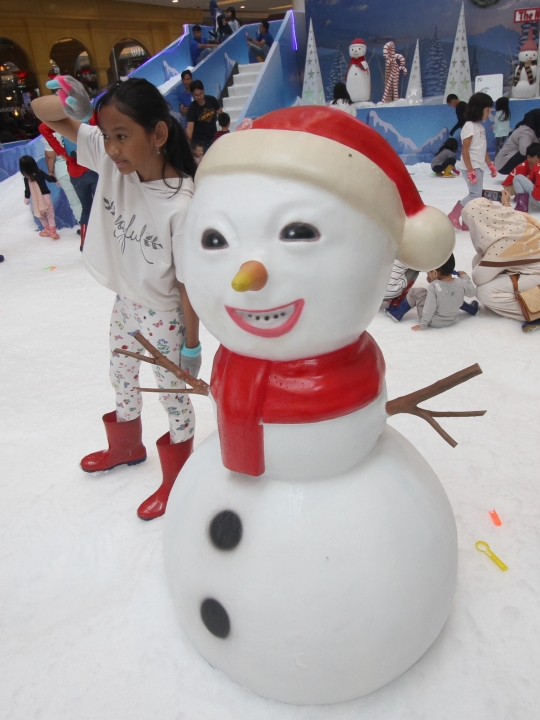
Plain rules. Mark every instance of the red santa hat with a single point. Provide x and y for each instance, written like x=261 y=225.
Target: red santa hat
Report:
x=529 y=43
x=336 y=152
x=357 y=41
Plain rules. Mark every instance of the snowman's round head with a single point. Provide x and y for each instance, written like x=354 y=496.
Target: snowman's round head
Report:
x=293 y=230
x=528 y=56
x=357 y=48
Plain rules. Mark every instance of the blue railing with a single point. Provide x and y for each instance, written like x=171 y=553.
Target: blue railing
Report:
x=170 y=62
x=215 y=70
x=280 y=81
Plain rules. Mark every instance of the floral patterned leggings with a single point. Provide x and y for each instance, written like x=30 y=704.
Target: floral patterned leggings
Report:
x=165 y=329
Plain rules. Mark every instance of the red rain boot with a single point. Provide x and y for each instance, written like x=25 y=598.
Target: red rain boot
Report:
x=46 y=232
x=83 y=235
x=464 y=227
x=455 y=215
x=172 y=457
x=125 y=445
x=53 y=233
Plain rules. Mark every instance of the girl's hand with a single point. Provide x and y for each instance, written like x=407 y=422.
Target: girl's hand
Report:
x=417 y=327
x=73 y=97
x=26 y=201
x=505 y=199
x=191 y=359
x=492 y=169
x=473 y=177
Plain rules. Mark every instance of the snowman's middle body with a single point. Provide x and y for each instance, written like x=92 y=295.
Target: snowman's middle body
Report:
x=345 y=569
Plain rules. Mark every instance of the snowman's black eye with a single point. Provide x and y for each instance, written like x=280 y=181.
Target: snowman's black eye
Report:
x=299 y=232
x=213 y=240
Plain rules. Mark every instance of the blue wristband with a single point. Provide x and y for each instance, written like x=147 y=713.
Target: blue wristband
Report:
x=191 y=352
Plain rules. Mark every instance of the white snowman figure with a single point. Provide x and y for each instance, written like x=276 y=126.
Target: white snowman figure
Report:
x=358 y=76
x=310 y=549
x=527 y=70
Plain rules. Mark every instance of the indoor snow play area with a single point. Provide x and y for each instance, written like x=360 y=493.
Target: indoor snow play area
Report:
x=342 y=519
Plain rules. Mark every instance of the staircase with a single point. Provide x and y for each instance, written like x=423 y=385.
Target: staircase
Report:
x=240 y=89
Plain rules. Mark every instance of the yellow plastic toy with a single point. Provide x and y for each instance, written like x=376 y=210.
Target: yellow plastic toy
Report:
x=484 y=547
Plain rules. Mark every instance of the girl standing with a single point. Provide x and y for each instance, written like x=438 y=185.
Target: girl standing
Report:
x=474 y=155
x=230 y=14
x=501 y=123
x=132 y=247
x=35 y=188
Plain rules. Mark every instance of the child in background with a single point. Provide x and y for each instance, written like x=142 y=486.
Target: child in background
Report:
x=35 y=188
x=474 y=155
x=133 y=247
x=439 y=306
x=445 y=159
x=501 y=123
x=198 y=152
x=524 y=181
x=224 y=122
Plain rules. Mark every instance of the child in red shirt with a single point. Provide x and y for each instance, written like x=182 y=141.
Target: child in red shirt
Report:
x=224 y=121
x=524 y=180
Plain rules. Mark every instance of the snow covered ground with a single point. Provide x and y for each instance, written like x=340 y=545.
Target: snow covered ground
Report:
x=87 y=624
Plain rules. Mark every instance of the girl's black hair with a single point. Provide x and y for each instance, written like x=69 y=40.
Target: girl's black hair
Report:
x=29 y=167
x=451 y=144
x=142 y=102
x=476 y=106
x=340 y=93
x=503 y=104
x=232 y=11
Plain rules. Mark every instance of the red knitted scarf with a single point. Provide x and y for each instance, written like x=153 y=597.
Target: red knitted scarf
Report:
x=249 y=392
x=358 y=62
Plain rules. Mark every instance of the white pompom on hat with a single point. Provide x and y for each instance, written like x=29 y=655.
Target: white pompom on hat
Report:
x=346 y=157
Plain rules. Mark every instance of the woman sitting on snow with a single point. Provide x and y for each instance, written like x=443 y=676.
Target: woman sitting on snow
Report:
x=507 y=242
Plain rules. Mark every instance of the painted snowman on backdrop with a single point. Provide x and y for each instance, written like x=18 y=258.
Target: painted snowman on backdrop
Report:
x=525 y=77
x=310 y=549
x=358 y=79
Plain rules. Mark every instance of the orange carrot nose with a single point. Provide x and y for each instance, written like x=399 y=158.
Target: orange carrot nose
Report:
x=251 y=276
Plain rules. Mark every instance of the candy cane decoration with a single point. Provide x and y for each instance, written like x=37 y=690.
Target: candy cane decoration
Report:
x=394 y=64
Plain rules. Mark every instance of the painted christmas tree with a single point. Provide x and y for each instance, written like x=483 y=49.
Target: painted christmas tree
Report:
x=312 y=92
x=459 y=75
x=338 y=73
x=436 y=69
x=414 y=88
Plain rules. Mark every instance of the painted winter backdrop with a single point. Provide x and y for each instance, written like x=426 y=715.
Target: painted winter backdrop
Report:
x=493 y=39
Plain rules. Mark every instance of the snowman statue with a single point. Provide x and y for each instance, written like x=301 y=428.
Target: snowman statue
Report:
x=310 y=549
x=527 y=70
x=358 y=79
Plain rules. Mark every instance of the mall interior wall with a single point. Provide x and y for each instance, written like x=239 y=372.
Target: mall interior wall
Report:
x=36 y=25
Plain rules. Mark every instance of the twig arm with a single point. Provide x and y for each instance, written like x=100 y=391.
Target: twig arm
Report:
x=158 y=358
x=409 y=403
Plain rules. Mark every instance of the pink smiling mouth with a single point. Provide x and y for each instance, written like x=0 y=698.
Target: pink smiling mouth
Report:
x=268 y=323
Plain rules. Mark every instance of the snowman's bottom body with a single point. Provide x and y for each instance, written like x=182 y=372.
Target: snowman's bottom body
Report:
x=334 y=586
x=523 y=90
x=358 y=84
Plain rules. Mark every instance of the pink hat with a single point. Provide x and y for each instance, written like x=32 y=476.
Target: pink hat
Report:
x=529 y=43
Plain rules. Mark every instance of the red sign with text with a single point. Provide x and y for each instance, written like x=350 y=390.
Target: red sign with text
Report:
x=527 y=15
